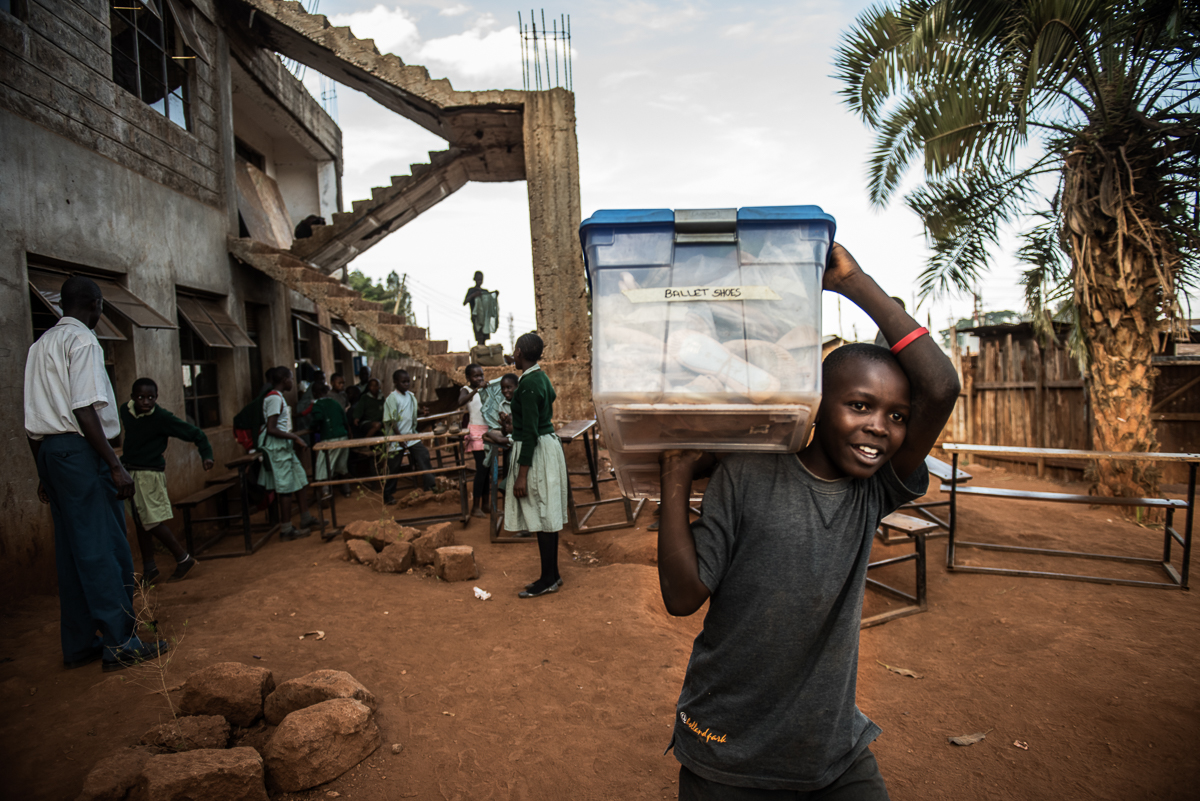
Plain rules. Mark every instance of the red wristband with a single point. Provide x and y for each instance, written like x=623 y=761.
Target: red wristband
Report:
x=914 y=334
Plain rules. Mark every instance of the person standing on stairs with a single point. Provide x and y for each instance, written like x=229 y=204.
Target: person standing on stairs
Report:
x=536 y=495
x=485 y=309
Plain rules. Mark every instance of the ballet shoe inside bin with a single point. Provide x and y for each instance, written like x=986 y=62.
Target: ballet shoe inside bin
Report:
x=705 y=330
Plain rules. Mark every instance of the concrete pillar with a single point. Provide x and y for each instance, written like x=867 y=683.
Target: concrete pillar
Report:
x=325 y=342
x=552 y=176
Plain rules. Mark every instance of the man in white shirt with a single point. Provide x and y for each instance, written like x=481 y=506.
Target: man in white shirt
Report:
x=70 y=415
x=400 y=417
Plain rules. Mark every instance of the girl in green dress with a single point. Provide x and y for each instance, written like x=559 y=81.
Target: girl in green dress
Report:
x=536 y=494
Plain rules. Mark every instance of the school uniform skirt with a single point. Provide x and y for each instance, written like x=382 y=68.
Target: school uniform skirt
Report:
x=544 y=507
x=282 y=472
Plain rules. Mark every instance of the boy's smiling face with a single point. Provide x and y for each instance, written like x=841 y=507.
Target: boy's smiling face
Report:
x=144 y=398
x=508 y=388
x=861 y=422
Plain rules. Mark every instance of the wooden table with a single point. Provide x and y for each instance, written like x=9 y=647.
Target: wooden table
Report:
x=586 y=431
x=1177 y=579
x=459 y=468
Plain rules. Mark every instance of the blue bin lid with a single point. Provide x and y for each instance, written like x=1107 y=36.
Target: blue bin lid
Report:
x=636 y=217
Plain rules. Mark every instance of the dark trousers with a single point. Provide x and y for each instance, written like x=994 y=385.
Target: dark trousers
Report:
x=418 y=458
x=483 y=478
x=95 y=566
x=861 y=782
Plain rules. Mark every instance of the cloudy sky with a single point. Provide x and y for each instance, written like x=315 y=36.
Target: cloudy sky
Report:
x=679 y=104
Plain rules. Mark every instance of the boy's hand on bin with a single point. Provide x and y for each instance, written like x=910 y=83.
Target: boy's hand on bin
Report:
x=687 y=465
x=840 y=268
x=208 y=464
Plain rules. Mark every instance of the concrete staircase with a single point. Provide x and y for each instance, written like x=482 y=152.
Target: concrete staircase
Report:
x=344 y=302
x=470 y=121
x=333 y=246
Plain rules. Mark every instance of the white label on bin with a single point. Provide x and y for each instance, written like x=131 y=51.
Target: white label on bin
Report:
x=680 y=293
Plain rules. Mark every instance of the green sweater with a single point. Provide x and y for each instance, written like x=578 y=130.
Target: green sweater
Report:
x=146 y=437
x=532 y=406
x=329 y=418
x=369 y=409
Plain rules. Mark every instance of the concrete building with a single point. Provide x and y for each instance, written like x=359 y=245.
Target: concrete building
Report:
x=161 y=147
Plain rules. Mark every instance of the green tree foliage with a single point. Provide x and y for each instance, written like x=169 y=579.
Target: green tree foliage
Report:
x=998 y=98
x=393 y=292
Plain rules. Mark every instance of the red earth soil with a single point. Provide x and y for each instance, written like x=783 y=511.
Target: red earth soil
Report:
x=572 y=695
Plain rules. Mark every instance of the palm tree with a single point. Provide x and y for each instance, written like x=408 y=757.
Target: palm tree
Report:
x=1082 y=116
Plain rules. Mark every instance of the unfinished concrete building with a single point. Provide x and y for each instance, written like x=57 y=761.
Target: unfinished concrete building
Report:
x=162 y=148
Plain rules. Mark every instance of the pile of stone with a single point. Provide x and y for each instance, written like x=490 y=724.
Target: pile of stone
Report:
x=389 y=547
x=316 y=728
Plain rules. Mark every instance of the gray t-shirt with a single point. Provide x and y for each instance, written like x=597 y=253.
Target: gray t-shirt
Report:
x=768 y=700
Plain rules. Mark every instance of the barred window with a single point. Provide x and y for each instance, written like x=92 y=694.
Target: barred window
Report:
x=150 y=58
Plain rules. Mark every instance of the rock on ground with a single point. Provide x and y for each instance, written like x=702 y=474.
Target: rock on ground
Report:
x=189 y=733
x=230 y=689
x=456 y=563
x=235 y=774
x=361 y=551
x=425 y=546
x=113 y=777
x=318 y=686
x=319 y=743
x=380 y=533
x=396 y=558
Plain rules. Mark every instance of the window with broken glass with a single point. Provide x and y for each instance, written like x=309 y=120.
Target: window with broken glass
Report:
x=201 y=398
x=150 y=59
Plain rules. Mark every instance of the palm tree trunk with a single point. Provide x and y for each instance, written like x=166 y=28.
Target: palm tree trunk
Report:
x=1120 y=257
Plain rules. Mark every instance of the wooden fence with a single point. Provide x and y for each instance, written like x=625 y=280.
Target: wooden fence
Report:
x=1015 y=392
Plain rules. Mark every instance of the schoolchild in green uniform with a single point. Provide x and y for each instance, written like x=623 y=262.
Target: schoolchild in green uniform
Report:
x=148 y=429
x=328 y=419
x=536 y=494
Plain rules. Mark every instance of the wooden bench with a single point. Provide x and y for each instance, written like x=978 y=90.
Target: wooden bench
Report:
x=946 y=475
x=1177 y=579
x=906 y=525
x=188 y=504
x=915 y=530
x=459 y=468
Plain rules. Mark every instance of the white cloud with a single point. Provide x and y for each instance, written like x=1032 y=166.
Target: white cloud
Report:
x=476 y=54
x=393 y=30
x=614 y=78
x=455 y=11
x=740 y=29
x=641 y=14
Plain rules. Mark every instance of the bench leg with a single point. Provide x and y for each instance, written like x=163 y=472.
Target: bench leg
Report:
x=953 y=512
x=919 y=546
x=1187 y=526
x=187 y=530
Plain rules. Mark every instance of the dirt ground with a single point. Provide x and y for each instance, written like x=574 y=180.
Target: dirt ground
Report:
x=572 y=695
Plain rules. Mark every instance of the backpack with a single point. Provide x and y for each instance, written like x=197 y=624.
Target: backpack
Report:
x=248 y=421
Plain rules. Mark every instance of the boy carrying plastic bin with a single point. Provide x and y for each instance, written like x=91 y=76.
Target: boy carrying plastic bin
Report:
x=781 y=553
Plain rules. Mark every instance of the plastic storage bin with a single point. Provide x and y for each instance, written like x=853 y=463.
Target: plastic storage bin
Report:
x=706 y=329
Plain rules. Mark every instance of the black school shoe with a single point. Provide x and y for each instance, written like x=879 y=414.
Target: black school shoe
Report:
x=537 y=589
x=184 y=569
x=149 y=650
x=84 y=661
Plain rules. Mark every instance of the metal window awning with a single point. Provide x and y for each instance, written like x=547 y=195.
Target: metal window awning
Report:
x=341 y=333
x=194 y=315
x=46 y=285
x=232 y=331
x=211 y=323
x=304 y=319
x=130 y=306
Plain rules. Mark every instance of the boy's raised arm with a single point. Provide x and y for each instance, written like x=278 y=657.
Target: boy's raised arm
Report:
x=678 y=567
x=933 y=382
